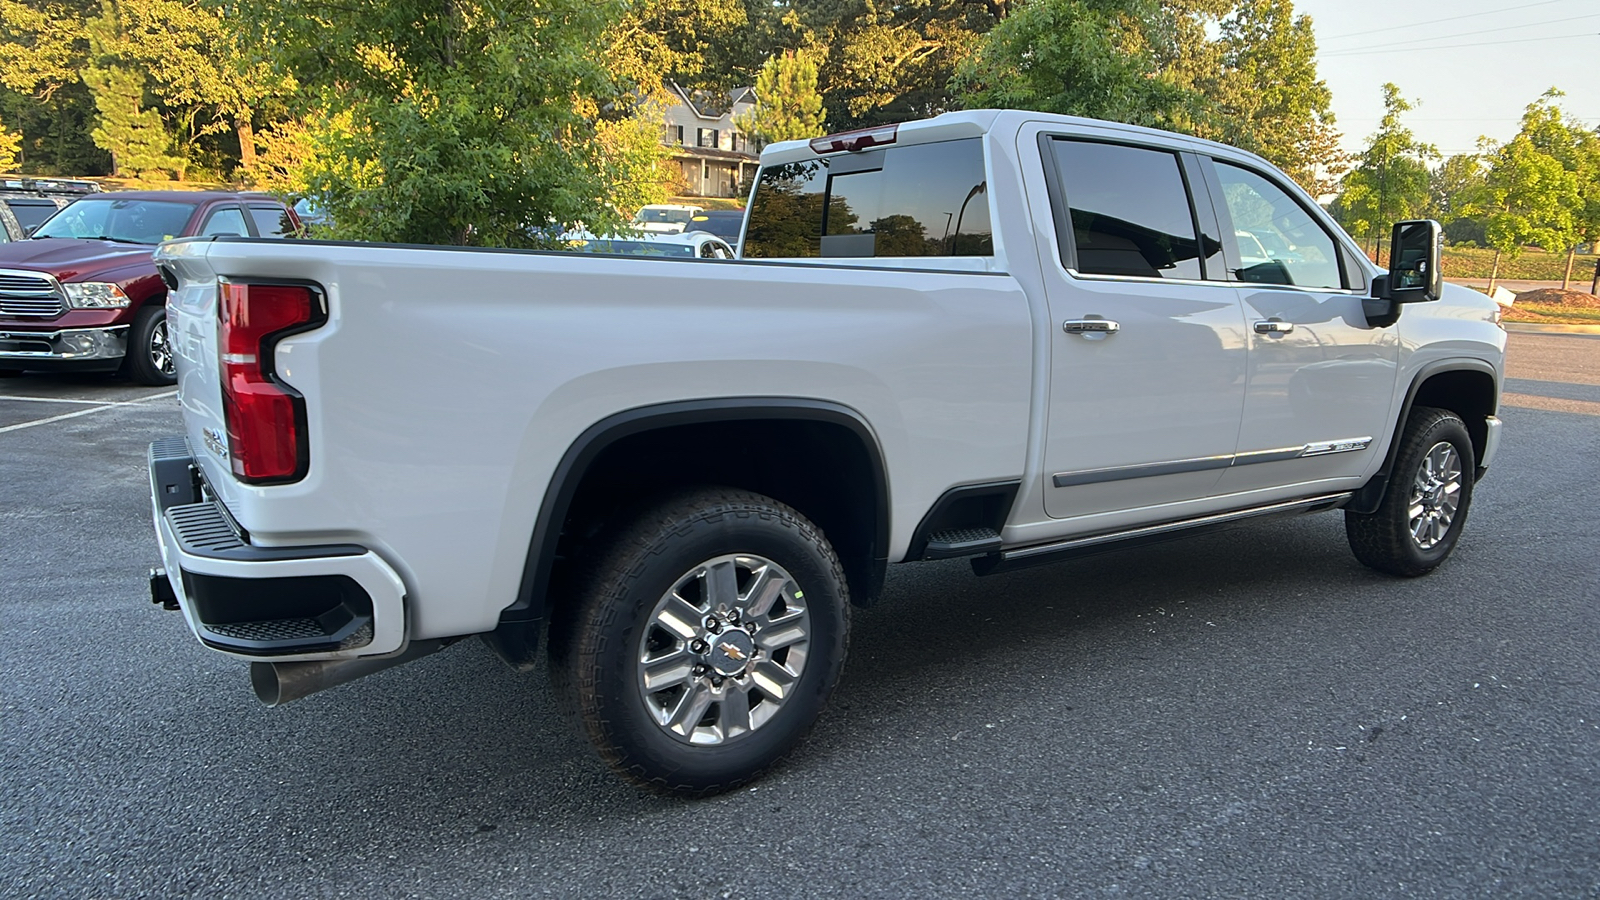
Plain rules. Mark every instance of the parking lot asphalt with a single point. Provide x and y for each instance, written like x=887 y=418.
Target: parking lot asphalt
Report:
x=1245 y=714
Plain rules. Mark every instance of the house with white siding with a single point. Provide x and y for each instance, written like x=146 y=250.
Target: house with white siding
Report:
x=716 y=158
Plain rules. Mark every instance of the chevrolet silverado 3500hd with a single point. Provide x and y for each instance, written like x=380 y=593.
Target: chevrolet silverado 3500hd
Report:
x=999 y=335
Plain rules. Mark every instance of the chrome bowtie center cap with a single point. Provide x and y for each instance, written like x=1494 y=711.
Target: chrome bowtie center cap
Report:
x=731 y=651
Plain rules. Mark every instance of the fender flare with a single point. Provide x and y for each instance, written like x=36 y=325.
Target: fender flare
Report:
x=1371 y=494
x=532 y=601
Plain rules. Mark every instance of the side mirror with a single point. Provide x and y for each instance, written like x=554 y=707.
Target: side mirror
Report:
x=1414 y=274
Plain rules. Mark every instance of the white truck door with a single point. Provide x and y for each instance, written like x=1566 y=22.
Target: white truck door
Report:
x=1321 y=379
x=1147 y=357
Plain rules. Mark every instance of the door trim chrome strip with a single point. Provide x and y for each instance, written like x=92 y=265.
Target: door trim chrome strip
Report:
x=1168 y=527
x=1206 y=463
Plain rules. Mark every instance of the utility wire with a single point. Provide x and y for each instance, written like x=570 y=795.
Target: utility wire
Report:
x=1445 y=37
x=1564 y=37
x=1488 y=12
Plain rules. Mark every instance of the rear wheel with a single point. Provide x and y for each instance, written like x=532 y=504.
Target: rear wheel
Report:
x=1421 y=517
x=707 y=638
x=149 y=357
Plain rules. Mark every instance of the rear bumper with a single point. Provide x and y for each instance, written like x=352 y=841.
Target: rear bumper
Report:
x=65 y=348
x=283 y=604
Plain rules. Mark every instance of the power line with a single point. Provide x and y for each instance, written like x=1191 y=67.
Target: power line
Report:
x=1563 y=37
x=1445 y=37
x=1488 y=12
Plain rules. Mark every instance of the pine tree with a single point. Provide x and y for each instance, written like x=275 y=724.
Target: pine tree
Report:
x=133 y=135
x=788 y=105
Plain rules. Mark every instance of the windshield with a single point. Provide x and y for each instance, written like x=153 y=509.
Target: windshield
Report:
x=134 y=221
x=662 y=216
x=633 y=248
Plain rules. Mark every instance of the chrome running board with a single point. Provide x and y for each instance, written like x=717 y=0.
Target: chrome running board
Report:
x=1054 y=551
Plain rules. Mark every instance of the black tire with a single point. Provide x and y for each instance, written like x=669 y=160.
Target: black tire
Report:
x=149 y=360
x=1388 y=539
x=601 y=644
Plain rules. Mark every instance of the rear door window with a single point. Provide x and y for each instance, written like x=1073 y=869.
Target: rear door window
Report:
x=1129 y=210
x=271 y=221
x=31 y=213
x=917 y=200
x=227 y=220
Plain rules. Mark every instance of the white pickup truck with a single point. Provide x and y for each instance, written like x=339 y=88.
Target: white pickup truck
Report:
x=1007 y=336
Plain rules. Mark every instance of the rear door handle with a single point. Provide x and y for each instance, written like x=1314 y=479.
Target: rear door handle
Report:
x=1274 y=326
x=1090 y=326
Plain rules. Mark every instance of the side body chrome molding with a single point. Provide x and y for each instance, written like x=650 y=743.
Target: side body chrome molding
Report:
x=1203 y=463
x=1054 y=551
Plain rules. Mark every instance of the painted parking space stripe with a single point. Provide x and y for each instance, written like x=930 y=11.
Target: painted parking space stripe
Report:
x=84 y=412
x=66 y=400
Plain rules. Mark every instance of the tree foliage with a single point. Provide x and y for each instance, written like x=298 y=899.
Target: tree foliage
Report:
x=471 y=122
x=788 y=105
x=10 y=142
x=1391 y=179
x=1080 y=57
x=130 y=132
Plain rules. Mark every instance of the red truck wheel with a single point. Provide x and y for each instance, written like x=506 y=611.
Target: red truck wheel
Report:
x=149 y=357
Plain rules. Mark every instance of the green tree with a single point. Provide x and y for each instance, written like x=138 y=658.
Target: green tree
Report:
x=1577 y=147
x=197 y=66
x=788 y=105
x=10 y=142
x=470 y=122
x=1081 y=57
x=1269 y=98
x=1390 y=182
x=1527 y=197
x=1451 y=188
x=130 y=132
x=43 y=48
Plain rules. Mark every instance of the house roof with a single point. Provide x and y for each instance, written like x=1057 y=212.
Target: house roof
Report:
x=703 y=109
x=709 y=153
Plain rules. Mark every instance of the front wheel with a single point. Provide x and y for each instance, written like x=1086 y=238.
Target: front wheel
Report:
x=149 y=360
x=1421 y=517
x=710 y=631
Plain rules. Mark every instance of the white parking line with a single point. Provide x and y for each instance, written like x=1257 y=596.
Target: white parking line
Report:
x=64 y=400
x=83 y=412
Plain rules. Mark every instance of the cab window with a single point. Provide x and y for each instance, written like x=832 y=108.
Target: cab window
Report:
x=228 y=220
x=1278 y=241
x=1129 y=211
x=916 y=200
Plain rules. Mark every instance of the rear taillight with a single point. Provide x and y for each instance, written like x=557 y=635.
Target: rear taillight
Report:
x=266 y=418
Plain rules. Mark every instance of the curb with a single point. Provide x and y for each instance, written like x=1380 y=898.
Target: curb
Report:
x=1546 y=328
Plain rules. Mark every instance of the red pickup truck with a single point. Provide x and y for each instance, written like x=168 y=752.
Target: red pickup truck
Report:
x=83 y=294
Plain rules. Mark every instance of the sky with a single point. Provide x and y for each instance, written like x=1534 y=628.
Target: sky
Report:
x=1474 y=65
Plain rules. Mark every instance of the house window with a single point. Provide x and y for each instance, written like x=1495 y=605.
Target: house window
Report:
x=675 y=135
x=707 y=138
x=738 y=142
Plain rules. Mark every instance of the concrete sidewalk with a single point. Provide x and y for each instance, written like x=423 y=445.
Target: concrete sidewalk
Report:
x=1517 y=287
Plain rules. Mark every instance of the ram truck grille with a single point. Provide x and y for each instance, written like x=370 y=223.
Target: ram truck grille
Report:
x=27 y=294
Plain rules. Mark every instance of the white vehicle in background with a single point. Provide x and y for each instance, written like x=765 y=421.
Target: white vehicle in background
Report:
x=1004 y=336
x=691 y=244
x=664 y=218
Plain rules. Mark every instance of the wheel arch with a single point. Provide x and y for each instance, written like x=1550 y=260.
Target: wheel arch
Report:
x=626 y=456
x=1468 y=387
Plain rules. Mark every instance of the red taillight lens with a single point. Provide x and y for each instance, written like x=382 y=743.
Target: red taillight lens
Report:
x=266 y=420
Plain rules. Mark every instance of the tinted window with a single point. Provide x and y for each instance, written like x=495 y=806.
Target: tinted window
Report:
x=1129 y=211
x=228 y=220
x=271 y=221
x=135 y=221
x=31 y=213
x=920 y=200
x=1279 y=242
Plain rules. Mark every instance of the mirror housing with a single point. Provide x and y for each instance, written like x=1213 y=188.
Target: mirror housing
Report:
x=1414 y=251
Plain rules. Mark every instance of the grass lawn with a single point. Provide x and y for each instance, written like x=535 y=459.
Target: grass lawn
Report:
x=1531 y=265
x=1552 y=315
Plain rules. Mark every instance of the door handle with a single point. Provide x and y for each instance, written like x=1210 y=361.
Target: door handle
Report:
x=1090 y=326
x=1274 y=326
